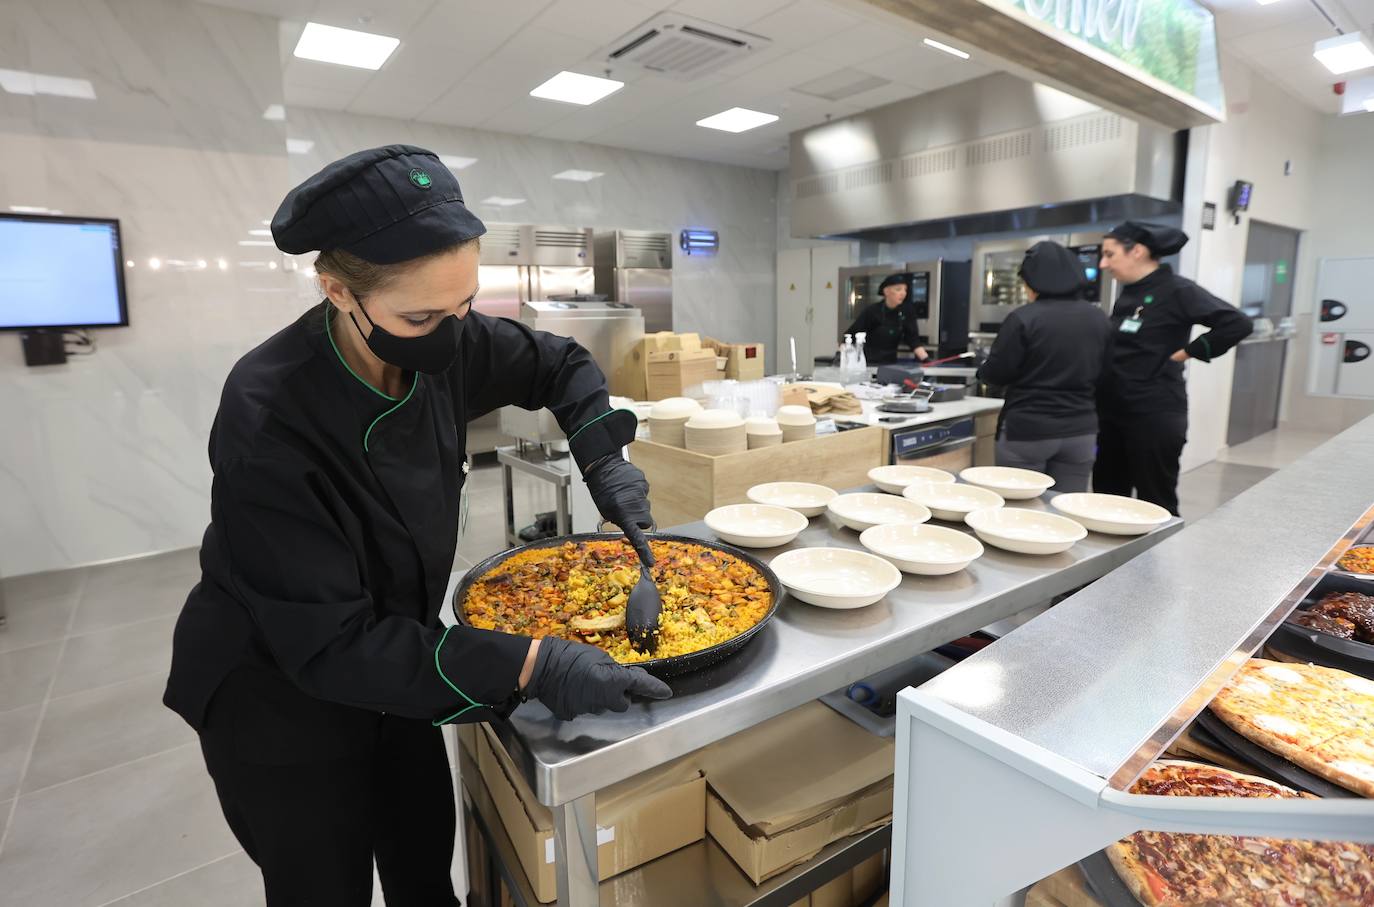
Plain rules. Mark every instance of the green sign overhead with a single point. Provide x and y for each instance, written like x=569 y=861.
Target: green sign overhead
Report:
x=1280 y=271
x=1172 y=40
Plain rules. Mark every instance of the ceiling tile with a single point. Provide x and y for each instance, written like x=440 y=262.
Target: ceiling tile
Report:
x=277 y=9
x=323 y=98
x=533 y=55
x=418 y=74
x=864 y=42
x=527 y=115
x=598 y=21
x=467 y=104
x=731 y=13
x=474 y=31
x=804 y=23
x=1259 y=44
x=325 y=76
x=393 y=17
x=1242 y=17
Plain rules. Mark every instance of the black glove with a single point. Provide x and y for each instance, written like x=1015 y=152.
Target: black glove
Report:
x=621 y=493
x=573 y=678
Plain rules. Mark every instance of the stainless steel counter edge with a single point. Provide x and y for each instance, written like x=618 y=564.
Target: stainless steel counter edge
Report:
x=805 y=653
x=1109 y=677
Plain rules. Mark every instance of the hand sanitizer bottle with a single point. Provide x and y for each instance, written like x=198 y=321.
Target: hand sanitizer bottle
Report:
x=860 y=361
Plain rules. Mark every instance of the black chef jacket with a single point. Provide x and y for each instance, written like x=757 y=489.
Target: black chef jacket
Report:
x=1049 y=356
x=1140 y=377
x=334 y=520
x=886 y=329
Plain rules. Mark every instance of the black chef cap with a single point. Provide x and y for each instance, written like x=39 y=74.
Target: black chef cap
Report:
x=384 y=205
x=1052 y=270
x=893 y=280
x=1159 y=239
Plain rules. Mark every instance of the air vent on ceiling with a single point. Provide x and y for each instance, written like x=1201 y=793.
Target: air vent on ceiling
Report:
x=846 y=83
x=681 y=47
x=1088 y=130
x=929 y=162
x=1002 y=148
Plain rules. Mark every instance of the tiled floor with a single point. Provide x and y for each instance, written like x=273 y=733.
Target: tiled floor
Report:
x=104 y=800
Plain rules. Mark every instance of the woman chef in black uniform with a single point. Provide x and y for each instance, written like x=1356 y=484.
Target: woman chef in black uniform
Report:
x=889 y=323
x=1143 y=403
x=310 y=657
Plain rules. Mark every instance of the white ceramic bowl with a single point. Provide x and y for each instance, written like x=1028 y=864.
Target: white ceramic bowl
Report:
x=865 y=510
x=1011 y=483
x=951 y=502
x=1025 y=531
x=795 y=415
x=918 y=548
x=836 y=577
x=674 y=408
x=756 y=525
x=895 y=479
x=714 y=419
x=1110 y=513
x=803 y=497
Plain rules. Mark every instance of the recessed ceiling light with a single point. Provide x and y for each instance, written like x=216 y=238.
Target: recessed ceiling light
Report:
x=155 y=263
x=256 y=242
x=128 y=263
x=274 y=112
x=454 y=162
x=738 y=119
x=1344 y=53
x=19 y=81
x=223 y=264
x=940 y=45
x=1267 y=2
x=501 y=201
x=299 y=146
x=344 y=46
x=271 y=266
x=575 y=88
x=579 y=176
x=259 y=232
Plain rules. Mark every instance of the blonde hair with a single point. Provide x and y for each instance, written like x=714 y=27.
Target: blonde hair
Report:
x=363 y=277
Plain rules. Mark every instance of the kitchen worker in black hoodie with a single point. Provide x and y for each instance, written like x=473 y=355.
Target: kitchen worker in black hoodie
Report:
x=310 y=658
x=1049 y=356
x=1143 y=402
x=889 y=323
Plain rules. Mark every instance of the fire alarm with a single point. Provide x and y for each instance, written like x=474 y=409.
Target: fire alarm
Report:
x=1338 y=89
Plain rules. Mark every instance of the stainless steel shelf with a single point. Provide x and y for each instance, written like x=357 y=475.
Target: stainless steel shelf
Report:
x=699 y=875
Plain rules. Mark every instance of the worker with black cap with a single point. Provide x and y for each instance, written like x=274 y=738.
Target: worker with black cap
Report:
x=310 y=657
x=1143 y=403
x=890 y=323
x=1048 y=355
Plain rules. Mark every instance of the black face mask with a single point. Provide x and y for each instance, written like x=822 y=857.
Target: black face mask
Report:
x=430 y=353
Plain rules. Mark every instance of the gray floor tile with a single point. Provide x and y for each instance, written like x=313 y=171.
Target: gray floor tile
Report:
x=232 y=882
x=87 y=732
x=114 y=597
x=104 y=837
x=51 y=584
x=26 y=673
x=109 y=656
x=16 y=736
x=34 y=620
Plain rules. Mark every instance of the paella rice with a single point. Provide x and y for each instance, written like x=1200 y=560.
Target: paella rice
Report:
x=578 y=591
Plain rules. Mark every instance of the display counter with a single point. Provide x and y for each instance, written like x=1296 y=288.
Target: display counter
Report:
x=804 y=653
x=1046 y=729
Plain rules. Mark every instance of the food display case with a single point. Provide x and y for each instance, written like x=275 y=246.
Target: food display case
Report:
x=1027 y=750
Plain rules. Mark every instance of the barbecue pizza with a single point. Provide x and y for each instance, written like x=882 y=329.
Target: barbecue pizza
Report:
x=578 y=591
x=1321 y=719
x=1168 y=869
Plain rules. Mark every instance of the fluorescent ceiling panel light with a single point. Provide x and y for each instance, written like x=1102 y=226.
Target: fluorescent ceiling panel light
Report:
x=455 y=162
x=579 y=176
x=259 y=232
x=737 y=119
x=275 y=112
x=1267 y=2
x=575 y=88
x=344 y=46
x=256 y=242
x=18 y=81
x=939 y=45
x=501 y=201
x=1344 y=53
x=299 y=146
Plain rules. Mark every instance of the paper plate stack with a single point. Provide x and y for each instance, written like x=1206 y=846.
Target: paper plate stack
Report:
x=762 y=432
x=668 y=417
x=715 y=432
x=797 y=422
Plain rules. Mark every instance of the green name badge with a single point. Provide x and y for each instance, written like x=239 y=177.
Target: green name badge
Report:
x=1131 y=325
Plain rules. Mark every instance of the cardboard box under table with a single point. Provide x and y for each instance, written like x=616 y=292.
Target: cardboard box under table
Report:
x=779 y=793
x=672 y=373
x=684 y=485
x=637 y=820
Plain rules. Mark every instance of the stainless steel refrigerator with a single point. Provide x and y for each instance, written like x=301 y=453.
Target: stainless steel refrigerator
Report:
x=636 y=267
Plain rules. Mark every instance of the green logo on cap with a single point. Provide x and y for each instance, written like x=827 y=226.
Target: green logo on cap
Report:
x=420 y=178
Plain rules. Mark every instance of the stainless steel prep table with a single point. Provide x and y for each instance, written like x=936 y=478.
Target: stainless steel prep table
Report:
x=804 y=653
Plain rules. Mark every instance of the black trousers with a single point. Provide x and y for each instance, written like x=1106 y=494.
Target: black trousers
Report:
x=316 y=791
x=1139 y=455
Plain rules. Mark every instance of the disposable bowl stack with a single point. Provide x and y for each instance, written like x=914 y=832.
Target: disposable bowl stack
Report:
x=715 y=432
x=668 y=417
x=797 y=422
x=762 y=432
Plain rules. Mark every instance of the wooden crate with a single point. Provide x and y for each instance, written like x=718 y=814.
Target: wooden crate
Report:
x=684 y=485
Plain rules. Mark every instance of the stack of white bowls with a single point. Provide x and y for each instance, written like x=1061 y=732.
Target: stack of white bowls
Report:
x=798 y=424
x=716 y=432
x=762 y=432
x=667 y=418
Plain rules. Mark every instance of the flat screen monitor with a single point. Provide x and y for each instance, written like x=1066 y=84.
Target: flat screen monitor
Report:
x=61 y=272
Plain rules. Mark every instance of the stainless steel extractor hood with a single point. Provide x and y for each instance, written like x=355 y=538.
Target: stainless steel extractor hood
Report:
x=994 y=154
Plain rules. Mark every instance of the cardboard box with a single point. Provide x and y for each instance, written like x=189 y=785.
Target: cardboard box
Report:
x=870 y=877
x=674 y=371
x=835 y=893
x=744 y=361
x=772 y=804
x=794 y=395
x=467 y=738
x=637 y=820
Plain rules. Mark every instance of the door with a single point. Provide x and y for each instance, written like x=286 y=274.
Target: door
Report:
x=1271 y=253
x=794 y=310
x=826 y=262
